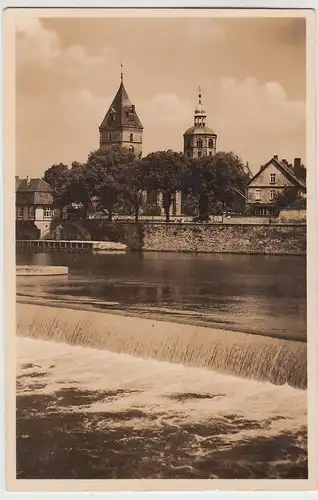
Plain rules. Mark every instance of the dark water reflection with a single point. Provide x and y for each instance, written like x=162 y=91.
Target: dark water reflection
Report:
x=252 y=293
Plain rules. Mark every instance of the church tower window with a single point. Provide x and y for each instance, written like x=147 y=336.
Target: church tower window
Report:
x=199 y=153
x=131 y=137
x=199 y=143
x=210 y=143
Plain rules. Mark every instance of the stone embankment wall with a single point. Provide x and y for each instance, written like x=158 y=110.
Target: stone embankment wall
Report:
x=189 y=237
x=226 y=238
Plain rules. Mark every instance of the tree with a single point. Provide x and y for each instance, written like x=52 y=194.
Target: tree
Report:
x=104 y=176
x=216 y=180
x=133 y=185
x=58 y=176
x=190 y=204
x=231 y=179
x=164 y=171
x=290 y=196
x=78 y=189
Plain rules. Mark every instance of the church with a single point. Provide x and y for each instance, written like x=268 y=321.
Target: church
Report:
x=122 y=127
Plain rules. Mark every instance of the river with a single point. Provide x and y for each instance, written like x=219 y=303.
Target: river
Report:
x=258 y=294
x=162 y=402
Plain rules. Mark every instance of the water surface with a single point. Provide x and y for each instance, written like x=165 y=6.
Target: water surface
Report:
x=250 y=293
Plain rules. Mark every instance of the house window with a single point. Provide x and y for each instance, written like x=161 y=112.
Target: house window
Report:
x=109 y=137
x=272 y=194
x=199 y=153
x=47 y=213
x=199 y=143
x=257 y=195
x=210 y=153
x=131 y=137
x=210 y=143
x=131 y=149
x=273 y=178
x=31 y=213
x=19 y=213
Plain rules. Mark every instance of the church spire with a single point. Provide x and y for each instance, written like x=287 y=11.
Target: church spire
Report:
x=121 y=125
x=199 y=112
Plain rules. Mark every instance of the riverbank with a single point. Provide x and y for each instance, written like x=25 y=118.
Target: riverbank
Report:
x=241 y=238
x=91 y=414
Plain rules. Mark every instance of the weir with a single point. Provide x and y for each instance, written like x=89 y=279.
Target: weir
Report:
x=239 y=354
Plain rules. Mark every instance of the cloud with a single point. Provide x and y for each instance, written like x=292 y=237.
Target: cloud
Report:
x=63 y=93
x=168 y=109
x=42 y=47
x=257 y=120
x=61 y=129
x=252 y=119
x=35 y=44
x=165 y=117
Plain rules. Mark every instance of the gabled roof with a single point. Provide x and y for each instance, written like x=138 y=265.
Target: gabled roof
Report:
x=283 y=168
x=32 y=185
x=121 y=112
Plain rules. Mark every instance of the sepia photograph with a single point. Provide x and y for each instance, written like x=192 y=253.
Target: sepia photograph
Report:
x=160 y=171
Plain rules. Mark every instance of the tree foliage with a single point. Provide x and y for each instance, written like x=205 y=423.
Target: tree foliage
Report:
x=58 y=176
x=132 y=183
x=104 y=174
x=216 y=179
x=164 y=171
x=114 y=180
x=290 y=197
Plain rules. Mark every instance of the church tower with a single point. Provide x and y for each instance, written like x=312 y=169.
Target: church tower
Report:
x=199 y=140
x=121 y=125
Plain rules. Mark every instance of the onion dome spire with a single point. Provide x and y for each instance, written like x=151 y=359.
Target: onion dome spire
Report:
x=199 y=112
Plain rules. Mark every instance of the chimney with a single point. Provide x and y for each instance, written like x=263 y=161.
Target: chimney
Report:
x=297 y=162
x=276 y=157
x=285 y=162
x=16 y=177
x=28 y=180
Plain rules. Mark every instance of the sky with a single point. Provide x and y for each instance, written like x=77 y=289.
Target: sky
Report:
x=252 y=72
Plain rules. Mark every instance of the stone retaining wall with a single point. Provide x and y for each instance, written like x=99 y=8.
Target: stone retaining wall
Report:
x=289 y=238
x=226 y=238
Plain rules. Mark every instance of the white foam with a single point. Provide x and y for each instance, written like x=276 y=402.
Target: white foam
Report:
x=92 y=369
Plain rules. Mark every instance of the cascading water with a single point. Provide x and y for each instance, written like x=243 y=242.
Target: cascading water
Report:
x=256 y=357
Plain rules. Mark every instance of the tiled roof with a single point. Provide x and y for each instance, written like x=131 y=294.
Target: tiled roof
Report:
x=32 y=185
x=121 y=112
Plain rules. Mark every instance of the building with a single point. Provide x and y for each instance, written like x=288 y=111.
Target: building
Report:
x=199 y=140
x=271 y=180
x=121 y=125
x=34 y=203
